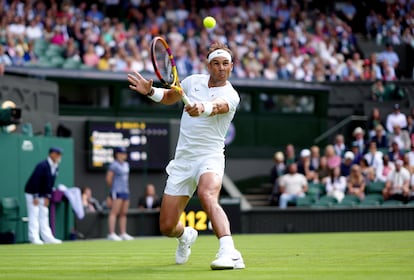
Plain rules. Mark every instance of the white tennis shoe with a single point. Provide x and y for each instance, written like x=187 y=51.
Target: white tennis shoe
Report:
x=184 y=245
x=114 y=237
x=126 y=236
x=228 y=259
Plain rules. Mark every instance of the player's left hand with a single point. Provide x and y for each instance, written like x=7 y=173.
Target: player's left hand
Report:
x=139 y=83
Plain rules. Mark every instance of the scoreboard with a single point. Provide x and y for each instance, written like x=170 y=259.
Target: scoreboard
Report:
x=147 y=143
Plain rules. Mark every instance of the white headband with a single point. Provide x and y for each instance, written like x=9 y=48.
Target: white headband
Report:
x=219 y=52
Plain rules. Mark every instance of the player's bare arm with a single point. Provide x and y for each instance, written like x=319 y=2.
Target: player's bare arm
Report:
x=143 y=86
x=109 y=178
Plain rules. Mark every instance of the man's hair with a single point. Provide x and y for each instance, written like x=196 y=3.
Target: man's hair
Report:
x=218 y=46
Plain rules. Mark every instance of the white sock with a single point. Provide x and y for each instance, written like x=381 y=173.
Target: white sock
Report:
x=226 y=242
x=183 y=236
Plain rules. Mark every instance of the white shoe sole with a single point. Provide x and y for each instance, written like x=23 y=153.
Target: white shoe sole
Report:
x=227 y=262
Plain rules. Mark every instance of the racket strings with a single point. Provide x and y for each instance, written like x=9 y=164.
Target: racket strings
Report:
x=164 y=63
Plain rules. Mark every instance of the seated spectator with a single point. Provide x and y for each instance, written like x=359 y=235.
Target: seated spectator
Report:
x=90 y=57
x=365 y=168
x=381 y=91
x=371 y=176
x=395 y=153
x=305 y=167
x=406 y=163
x=386 y=167
x=323 y=170
x=401 y=137
x=333 y=159
x=397 y=186
x=292 y=185
x=380 y=137
x=395 y=118
x=358 y=135
x=355 y=150
x=375 y=67
x=90 y=204
x=58 y=37
x=290 y=156
x=356 y=182
x=373 y=156
x=339 y=145
x=390 y=56
x=410 y=155
x=346 y=163
x=315 y=157
x=367 y=73
x=335 y=184
x=150 y=200
x=4 y=57
x=278 y=170
x=388 y=74
x=374 y=119
x=410 y=127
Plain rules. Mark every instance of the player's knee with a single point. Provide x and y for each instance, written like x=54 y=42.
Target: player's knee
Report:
x=209 y=196
x=167 y=228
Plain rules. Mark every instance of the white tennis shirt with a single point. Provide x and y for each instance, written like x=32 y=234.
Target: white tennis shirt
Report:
x=204 y=135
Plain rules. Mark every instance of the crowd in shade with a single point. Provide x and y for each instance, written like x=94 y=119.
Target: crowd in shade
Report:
x=382 y=155
x=273 y=39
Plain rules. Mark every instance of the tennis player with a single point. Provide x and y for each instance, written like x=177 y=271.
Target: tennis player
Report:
x=199 y=157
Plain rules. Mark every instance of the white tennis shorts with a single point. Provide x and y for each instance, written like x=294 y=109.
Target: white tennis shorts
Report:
x=184 y=174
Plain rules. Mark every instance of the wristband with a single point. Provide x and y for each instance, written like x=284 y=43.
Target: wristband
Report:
x=157 y=95
x=208 y=108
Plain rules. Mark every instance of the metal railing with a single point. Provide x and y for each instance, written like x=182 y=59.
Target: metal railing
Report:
x=339 y=126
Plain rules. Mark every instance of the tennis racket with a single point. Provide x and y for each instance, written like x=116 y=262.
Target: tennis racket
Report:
x=164 y=66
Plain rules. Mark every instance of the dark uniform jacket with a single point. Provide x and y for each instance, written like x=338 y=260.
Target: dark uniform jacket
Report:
x=41 y=182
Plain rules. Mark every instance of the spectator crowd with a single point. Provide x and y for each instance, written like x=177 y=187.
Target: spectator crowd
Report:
x=273 y=39
x=381 y=155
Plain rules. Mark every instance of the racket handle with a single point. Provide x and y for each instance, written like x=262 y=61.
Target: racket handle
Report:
x=186 y=100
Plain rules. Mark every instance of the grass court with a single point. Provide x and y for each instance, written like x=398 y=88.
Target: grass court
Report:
x=333 y=256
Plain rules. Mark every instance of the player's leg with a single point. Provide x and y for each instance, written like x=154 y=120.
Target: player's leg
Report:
x=209 y=186
x=170 y=212
x=170 y=225
x=115 y=210
x=123 y=220
x=228 y=257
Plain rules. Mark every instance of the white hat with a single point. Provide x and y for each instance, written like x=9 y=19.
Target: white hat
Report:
x=349 y=155
x=279 y=156
x=305 y=153
x=358 y=130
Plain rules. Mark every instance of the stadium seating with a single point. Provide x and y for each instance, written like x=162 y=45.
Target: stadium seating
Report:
x=9 y=214
x=304 y=201
x=315 y=190
x=348 y=201
x=392 y=203
x=324 y=201
x=369 y=203
x=375 y=187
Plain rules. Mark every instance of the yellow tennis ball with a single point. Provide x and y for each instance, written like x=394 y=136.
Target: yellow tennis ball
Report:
x=209 y=22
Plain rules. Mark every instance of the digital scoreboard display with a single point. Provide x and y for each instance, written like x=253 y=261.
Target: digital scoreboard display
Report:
x=147 y=143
